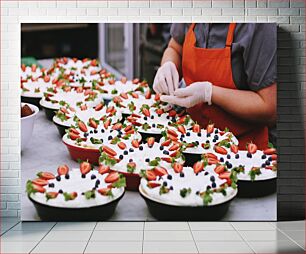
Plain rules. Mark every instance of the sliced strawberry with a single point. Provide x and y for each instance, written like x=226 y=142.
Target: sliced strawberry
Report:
x=177 y=167
x=73 y=136
x=172 y=133
x=104 y=191
x=111 y=81
x=40 y=182
x=212 y=161
x=150 y=141
x=135 y=143
x=181 y=129
x=234 y=148
x=157 y=97
x=121 y=145
x=103 y=169
x=51 y=195
x=172 y=113
x=23 y=67
x=226 y=175
x=198 y=167
x=153 y=185
x=94 y=62
x=269 y=151
x=99 y=107
x=34 y=67
x=82 y=126
x=166 y=142
x=112 y=177
x=79 y=90
x=117 y=126
x=210 y=128
x=92 y=123
x=46 y=175
x=210 y=155
x=85 y=167
x=83 y=107
x=70 y=196
x=131 y=165
x=38 y=188
x=148 y=94
x=196 y=128
x=219 y=169
x=174 y=147
x=135 y=95
x=46 y=78
x=146 y=112
x=150 y=175
x=174 y=154
x=182 y=119
x=107 y=123
x=160 y=171
x=63 y=170
x=220 y=149
x=109 y=151
x=166 y=159
x=274 y=157
x=136 y=115
x=135 y=81
x=252 y=148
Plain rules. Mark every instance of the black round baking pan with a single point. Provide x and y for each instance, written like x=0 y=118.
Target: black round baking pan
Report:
x=95 y=213
x=257 y=188
x=61 y=129
x=145 y=136
x=50 y=113
x=31 y=100
x=165 y=212
x=191 y=158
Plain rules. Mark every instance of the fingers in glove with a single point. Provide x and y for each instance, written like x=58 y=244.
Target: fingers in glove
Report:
x=182 y=102
x=184 y=92
x=175 y=78
x=169 y=84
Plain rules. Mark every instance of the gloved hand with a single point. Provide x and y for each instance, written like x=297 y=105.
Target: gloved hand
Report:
x=190 y=96
x=166 y=80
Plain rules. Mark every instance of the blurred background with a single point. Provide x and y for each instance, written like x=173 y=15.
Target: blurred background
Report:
x=132 y=50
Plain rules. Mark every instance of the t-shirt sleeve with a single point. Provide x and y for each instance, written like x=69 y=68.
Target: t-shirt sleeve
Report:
x=259 y=56
x=178 y=31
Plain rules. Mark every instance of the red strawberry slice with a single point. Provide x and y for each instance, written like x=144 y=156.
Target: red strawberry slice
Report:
x=51 y=195
x=46 y=175
x=85 y=167
x=177 y=167
x=274 y=157
x=153 y=185
x=219 y=169
x=123 y=80
x=82 y=126
x=157 y=97
x=111 y=81
x=173 y=138
x=38 y=188
x=252 y=148
x=121 y=145
x=135 y=143
x=103 y=169
x=220 y=149
x=127 y=128
x=172 y=133
x=23 y=67
x=269 y=151
x=210 y=155
x=104 y=191
x=181 y=129
x=79 y=90
x=94 y=62
x=136 y=115
x=198 y=167
x=46 y=78
x=174 y=154
x=174 y=147
x=146 y=112
x=109 y=151
x=166 y=142
x=135 y=95
x=63 y=170
x=148 y=95
x=135 y=81
x=73 y=136
x=40 y=182
x=160 y=171
x=83 y=107
x=112 y=177
x=107 y=123
x=150 y=175
x=234 y=148
x=172 y=113
x=182 y=119
x=34 y=67
x=110 y=109
x=124 y=95
x=117 y=100
x=159 y=111
x=71 y=196
x=130 y=132
x=99 y=107
x=212 y=161
x=117 y=126
x=196 y=128
x=150 y=141
x=210 y=128
x=226 y=175
x=64 y=110
x=92 y=123
x=166 y=159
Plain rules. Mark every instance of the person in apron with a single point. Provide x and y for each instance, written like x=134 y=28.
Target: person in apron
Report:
x=242 y=98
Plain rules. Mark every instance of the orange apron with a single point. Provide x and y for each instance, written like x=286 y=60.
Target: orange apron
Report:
x=214 y=65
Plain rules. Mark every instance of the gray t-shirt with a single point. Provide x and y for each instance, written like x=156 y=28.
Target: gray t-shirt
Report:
x=253 y=50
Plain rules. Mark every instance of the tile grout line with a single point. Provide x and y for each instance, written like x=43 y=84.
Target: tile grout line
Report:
x=193 y=237
x=10 y=228
x=42 y=238
x=143 y=233
x=291 y=238
x=90 y=237
x=247 y=243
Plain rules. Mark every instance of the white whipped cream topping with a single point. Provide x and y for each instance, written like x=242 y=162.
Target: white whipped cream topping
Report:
x=39 y=84
x=28 y=73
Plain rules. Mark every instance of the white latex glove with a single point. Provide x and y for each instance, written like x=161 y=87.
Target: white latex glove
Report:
x=190 y=96
x=166 y=80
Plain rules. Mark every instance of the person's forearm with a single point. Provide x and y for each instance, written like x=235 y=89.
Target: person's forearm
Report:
x=247 y=105
x=173 y=53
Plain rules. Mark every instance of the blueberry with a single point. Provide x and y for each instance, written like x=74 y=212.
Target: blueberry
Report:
x=188 y=134
x=120 y=156
x=60 y=191
x=111 y=130
x=95 y=131
x=212 y=178
x=229 y=165
x=173 y=119
x=58 y=178
x=197 y=143
x=181 y=139
x=264 y=156
x=199 y=134
x=93 y=177
x=216 y=137
x=216 y=131
x=51 y=185
x=165 y=183
x=67 y=176
x=263 y=165
x=83 y=193
x=83 y=175
x=214 y=185
x=152 y=117
x=165 y=152
x=270 y=159
x=153 y=125
x=125 y=152
x=171 y=187
x=228 y=156
x=249 y=155
x=161 y=148
x=102 y=130
x=130 y=160
x=101 y=140
x=91 y=132
x=145 y=118
x=214 y=140
x=207 y=141
x=182 y=174
x=147 y=160
x=208 y=187
x=168 y=117
x=198 y=192
x=110 y=138
x=237 y=156
x=169 y=123
x=208 y=135
x=131 y=150
x=169 y=177
x=97 y=182
x=140 y=148
x=221 y=159
x=183 y=136
x=206 y=173
x=86 y=134
x=267 y=162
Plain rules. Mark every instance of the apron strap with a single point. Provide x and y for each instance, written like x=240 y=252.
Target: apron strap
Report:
x=230 y=34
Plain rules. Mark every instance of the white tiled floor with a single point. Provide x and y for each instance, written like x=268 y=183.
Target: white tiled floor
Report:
x=152 y=237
